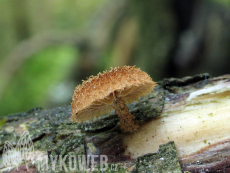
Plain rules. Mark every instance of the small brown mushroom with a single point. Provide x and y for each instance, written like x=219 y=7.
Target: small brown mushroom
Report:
x=110 y=90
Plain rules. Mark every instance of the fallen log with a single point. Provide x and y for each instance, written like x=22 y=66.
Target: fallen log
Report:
x=192 y=111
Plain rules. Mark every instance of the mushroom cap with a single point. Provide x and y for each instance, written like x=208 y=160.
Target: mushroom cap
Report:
x=94 y=97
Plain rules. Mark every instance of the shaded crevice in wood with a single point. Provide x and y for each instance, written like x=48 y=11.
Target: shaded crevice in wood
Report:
x=107 y=143
x=210 y=159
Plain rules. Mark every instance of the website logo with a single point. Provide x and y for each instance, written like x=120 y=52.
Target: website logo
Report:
x=22 y=153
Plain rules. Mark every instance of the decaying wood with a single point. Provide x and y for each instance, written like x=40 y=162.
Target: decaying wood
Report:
x=196 y=117
x=193 y=112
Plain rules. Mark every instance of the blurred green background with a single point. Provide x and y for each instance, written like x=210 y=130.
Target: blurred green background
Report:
x=47 y=47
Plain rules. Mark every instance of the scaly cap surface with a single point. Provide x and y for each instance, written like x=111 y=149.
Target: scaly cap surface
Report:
x=94 y=96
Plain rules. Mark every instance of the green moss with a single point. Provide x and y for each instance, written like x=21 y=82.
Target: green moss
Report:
x=165 y=160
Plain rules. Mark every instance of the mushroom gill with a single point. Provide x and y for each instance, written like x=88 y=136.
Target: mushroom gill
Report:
x=109 y=90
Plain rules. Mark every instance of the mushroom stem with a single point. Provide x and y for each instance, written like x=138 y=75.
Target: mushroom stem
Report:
x=127 y=120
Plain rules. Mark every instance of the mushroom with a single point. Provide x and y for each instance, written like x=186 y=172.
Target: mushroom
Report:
x=110 y=90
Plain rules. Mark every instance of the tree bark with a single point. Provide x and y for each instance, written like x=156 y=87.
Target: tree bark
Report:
x=192 y=111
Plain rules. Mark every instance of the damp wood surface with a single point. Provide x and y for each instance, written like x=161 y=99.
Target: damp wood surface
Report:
x=194 y=112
